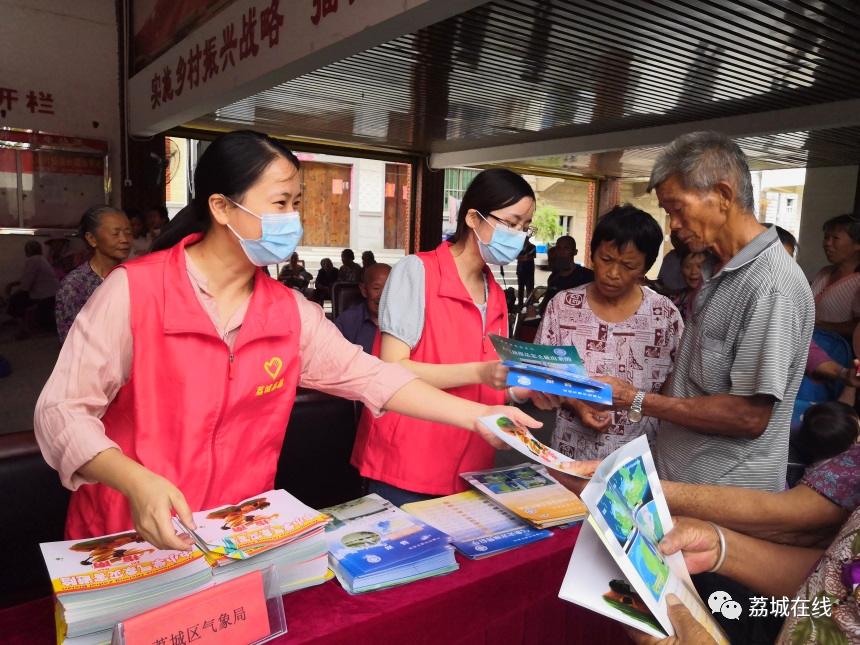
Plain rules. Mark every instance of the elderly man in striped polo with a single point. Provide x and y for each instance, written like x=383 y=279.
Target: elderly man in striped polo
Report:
x=725 y=411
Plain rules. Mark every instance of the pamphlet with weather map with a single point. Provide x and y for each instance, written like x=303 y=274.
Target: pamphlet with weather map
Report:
x=617 y=568
x=522 y=440
x=549 y=368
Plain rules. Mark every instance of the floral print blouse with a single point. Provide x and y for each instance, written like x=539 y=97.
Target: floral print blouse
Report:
x=833 y=589
x=837 y=479
x=75 y=289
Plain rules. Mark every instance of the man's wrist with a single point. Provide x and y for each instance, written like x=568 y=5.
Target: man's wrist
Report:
x=721 y=557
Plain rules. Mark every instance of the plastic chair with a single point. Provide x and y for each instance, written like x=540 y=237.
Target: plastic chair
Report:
x=343 y=296
x=515 y=320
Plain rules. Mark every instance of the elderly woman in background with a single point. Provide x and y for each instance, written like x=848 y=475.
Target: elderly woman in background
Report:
x=619 y=328
x=107 y=232
x=836 y=288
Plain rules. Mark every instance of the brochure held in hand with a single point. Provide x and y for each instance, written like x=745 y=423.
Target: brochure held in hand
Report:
x=617 y=568
x=522 y=440
x=551 y=369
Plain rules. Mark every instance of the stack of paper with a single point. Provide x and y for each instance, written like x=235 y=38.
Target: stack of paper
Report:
x=274 y=528
x=528 y=491
x=617 y=568
x=477 y=526
x=104 y=580
x=373 y=545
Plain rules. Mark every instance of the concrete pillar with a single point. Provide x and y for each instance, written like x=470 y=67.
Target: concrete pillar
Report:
x=827 y=192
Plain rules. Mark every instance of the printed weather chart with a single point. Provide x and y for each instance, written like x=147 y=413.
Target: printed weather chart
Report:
x=630 y=516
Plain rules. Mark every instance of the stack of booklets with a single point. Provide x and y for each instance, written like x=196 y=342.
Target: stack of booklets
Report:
x=530 y=493
x=478 y=528
x=617 y=568
x=101 y=581
x=374 y=545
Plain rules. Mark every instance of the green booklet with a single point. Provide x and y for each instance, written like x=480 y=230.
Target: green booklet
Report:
x=551 y=369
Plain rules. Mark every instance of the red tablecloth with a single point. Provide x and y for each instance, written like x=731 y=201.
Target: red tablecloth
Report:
x=507 y=598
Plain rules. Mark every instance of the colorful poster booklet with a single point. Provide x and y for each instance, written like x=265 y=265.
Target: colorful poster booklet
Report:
x=548 y=368
x=522 y=440
x=372 y=544
x=104 y=580
x=478 y=528
x=530 y=493
x=617 y=568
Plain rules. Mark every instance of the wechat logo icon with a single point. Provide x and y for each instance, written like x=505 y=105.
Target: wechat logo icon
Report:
x=721 y=602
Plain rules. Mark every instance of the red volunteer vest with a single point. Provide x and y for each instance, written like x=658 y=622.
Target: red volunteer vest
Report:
x=422 y=456
x=210 y=421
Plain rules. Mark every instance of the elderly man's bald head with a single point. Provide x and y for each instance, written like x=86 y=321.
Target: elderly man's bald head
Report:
x=371 y=285
x=380 y=270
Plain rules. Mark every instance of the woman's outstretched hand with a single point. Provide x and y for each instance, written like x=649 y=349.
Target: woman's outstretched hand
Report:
x=514 y=414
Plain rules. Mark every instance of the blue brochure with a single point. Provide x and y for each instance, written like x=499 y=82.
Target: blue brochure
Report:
x=550 y=369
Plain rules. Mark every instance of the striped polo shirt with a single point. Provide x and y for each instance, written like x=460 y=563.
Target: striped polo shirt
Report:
x=748 y=334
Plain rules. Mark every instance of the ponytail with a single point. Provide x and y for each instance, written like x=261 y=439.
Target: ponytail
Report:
x=229 y=166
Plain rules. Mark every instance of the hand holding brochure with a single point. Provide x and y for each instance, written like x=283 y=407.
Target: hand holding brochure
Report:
x=521 y=440
x=550 y=369
x=617 y=568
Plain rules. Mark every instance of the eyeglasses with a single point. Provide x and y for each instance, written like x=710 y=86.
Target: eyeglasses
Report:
x=529 y=230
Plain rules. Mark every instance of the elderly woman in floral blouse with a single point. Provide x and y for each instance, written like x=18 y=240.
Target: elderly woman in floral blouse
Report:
x=107 y=232
x=619 y=327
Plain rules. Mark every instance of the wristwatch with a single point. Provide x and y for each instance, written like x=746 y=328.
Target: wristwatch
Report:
x=634 y=414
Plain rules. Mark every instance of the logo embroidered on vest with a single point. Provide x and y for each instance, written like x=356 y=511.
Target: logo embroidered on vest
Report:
x=272 y=367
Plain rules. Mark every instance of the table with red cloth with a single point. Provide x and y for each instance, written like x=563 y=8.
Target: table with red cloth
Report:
x=507 y=598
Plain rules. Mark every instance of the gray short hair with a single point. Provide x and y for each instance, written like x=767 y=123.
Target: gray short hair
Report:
x=703 y=159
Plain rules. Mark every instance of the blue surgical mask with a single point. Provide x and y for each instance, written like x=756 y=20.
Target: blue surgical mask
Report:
x=280 y=235
x=504 y=246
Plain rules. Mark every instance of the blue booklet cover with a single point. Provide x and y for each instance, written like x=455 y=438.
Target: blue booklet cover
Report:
x=550 y=369
x=371 y=538
x=492 y=544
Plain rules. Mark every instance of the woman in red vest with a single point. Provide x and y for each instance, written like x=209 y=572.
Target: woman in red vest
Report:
x=173 y=390
x=437 y=312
